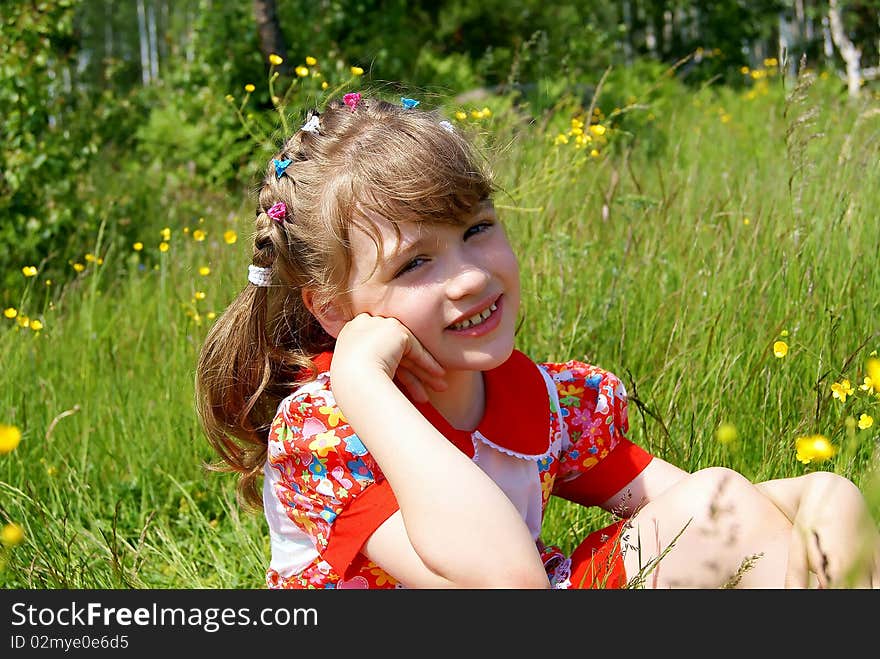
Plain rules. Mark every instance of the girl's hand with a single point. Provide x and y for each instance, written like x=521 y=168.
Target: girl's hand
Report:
x=373 y=345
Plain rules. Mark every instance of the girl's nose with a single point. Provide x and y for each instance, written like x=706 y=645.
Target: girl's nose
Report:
x=469 y=279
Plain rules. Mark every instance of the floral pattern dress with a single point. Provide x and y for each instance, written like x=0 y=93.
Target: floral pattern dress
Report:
x=549 y=429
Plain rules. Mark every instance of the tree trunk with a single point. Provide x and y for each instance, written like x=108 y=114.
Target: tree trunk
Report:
x=145 y=45
x=850 y=54
x=269 y=31
x=154 y=47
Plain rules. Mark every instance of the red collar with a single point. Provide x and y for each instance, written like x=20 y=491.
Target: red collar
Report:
x=517 y=414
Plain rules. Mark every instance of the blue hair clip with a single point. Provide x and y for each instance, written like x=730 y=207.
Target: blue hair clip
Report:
x=280 y=166
x=408 y=103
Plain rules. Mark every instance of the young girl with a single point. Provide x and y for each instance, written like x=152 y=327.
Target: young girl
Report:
x=368 y=376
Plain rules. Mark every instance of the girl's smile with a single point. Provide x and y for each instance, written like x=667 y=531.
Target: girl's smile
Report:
x=479 y=323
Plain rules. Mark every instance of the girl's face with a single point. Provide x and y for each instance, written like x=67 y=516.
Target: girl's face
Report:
x=455 y=287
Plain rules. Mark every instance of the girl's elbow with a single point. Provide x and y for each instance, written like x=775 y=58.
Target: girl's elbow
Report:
x=513 y=574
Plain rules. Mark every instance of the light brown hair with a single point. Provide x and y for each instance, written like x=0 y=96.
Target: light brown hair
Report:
x=405 y=165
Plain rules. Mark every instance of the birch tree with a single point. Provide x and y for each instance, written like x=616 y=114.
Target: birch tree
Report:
x=848 y=51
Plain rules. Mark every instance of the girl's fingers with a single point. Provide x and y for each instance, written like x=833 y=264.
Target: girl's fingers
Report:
x=427 y=378
x=413 y=385
x=419 y=356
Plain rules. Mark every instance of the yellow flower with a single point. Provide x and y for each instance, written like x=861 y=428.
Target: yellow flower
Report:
x=311 y=61
x=324 y=442
x=814 y=448
x=357 y=71
x=10 y=312
x=29 y=271
x=865 y=421
x=79 y=267
x=597 y=129
x=166 y=234
x=200 y=295
x=486 y=112
x=229 y=98
x=138 y=246
x=163 y=246
x=36 y=325
x=873 y=368
x=275 y=60
x=460 y=115
x=90 y=258
x=211 y=315
x=302 y=71
x=230 y=237
x=780 y=349
x=11 y=535
x=595 y=153
x=324 y=85
x=10 y=436
x=204 y=271
x=841 y=390
x=334 y=415
x=249 y=88
x=868 y=385
x=726 y=433
x=199 y=235
x=23 y=321
x=561 y=139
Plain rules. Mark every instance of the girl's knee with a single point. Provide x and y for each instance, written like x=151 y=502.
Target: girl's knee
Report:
x=716 y=492
x=826 y=481
x=824 y=488
x=717 y=482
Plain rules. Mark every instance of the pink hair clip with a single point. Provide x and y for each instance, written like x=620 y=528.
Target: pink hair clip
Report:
x=351 y=100
x=278 y=212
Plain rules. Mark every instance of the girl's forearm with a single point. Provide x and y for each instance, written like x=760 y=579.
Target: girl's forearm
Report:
x=458 y=520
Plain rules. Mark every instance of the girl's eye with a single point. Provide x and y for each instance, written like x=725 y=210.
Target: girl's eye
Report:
x=480 y=227
x=412 y=265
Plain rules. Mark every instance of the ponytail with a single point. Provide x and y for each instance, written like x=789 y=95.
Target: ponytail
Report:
x=240 y=380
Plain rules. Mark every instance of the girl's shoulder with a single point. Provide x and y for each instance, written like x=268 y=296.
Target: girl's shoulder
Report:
x=586 y=391
x=309 y=423
x=307 y=400
x=312 y=396
x=582 y=374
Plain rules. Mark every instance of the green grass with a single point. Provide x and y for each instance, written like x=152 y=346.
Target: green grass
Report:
x=670 y=288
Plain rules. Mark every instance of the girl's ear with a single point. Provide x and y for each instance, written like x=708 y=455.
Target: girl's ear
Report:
x=331 y=316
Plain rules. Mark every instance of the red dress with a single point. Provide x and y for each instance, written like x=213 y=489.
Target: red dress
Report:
x=548 y=429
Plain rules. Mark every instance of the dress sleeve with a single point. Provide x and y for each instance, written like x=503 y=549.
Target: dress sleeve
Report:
x=324 y=481
x=597 y=460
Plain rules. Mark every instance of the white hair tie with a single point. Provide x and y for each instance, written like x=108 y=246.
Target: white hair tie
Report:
x=259 y=276
x=311 y=126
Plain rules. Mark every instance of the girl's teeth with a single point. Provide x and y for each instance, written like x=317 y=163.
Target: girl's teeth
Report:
x=476 y=319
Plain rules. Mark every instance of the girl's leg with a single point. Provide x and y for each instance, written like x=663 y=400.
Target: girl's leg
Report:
x=835 y=541
x=720 y=531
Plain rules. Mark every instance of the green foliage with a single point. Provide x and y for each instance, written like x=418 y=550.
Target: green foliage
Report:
x=47 y=144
